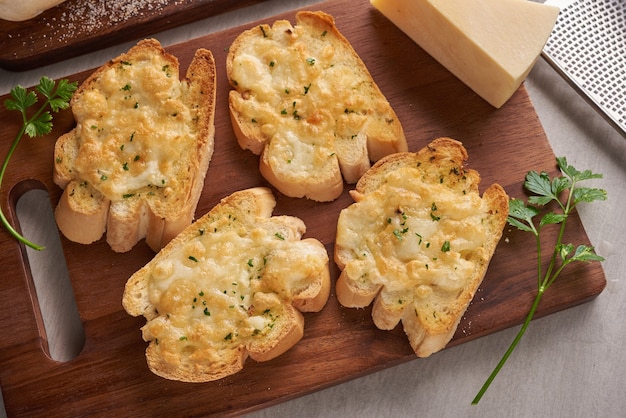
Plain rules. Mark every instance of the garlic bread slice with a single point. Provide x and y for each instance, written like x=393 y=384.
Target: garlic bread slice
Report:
x=304 y=101
x=134 y=165
x=231 y=285
x=417 y=242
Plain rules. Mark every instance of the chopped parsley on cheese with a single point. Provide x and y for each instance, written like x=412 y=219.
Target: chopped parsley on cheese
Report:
x=228 y=284
x=413 y=237
x=307 y=102
x=135 y=130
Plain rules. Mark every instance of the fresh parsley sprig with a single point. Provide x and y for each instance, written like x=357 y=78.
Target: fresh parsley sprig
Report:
x=522 y=216
x=38 y=123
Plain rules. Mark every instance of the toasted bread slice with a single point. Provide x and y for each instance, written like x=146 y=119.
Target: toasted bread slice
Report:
x=231 y=285
x=306 y=103
x=418 y=242
x=135 y=163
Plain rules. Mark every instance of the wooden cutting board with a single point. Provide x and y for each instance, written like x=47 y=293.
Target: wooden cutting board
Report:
x=110 y=376
x=77 y=27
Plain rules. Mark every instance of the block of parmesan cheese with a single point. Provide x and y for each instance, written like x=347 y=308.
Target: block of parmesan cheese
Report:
x=490 y=45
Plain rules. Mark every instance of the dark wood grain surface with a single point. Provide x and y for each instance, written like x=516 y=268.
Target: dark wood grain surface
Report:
x=77 y=27
x=110 y=376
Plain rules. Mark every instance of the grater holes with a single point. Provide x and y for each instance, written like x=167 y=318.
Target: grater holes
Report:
x=588 y=45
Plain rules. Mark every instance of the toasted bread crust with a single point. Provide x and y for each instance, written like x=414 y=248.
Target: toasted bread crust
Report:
x=303 y=100
x=237 y=238
x=158 y=211
x=418 y=270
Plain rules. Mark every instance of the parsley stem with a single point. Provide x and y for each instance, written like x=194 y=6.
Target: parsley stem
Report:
x=58 y=97
x=521 y=216
x=511 y=348
x=3 y=218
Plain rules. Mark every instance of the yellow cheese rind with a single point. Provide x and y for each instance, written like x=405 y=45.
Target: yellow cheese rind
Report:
x=231 y=285
x=490 y=45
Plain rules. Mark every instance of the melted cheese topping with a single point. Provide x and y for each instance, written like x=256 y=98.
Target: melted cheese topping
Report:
x=299 y=85
x=414 y=238
x=135 y=130
x=227 y=285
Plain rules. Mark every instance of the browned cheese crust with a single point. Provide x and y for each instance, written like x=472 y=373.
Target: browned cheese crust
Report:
x=418 y=242
x=134 y=165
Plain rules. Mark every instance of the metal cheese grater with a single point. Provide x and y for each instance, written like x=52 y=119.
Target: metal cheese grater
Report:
x=588 y=48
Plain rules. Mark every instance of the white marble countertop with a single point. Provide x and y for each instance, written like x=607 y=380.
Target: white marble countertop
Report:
x=570 y=364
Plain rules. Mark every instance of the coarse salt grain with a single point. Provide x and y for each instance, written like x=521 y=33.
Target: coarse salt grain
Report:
x=82 y=18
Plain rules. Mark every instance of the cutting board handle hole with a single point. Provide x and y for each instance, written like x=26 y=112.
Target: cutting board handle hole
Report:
x=59 y=322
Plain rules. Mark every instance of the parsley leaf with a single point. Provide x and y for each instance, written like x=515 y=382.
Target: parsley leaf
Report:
x=522 y=216
x=38 y=123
